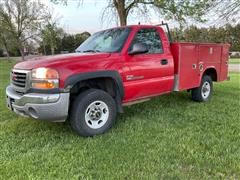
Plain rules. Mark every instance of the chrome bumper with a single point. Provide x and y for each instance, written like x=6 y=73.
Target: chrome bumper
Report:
x=50 y=107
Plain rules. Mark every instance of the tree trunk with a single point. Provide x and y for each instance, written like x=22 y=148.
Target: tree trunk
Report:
x=44 y=48
x=123 y=19
x=22 y=53
x=6 y=48
x=21 y=48
x=7 y=51
x=52 y=50
x=8 y=56
x=122 y=12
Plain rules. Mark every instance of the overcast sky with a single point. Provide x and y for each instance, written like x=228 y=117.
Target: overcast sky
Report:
x=76 y=18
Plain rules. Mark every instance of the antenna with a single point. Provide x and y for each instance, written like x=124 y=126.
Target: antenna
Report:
x=168 y=30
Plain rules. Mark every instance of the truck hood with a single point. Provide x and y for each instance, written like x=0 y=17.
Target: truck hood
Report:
x=52 y=61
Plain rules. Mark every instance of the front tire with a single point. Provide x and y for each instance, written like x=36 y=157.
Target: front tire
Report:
x=203 y=93
x=93 y=112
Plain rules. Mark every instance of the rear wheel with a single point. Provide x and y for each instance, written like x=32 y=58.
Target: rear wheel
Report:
x=93 y=112
x=203 y=93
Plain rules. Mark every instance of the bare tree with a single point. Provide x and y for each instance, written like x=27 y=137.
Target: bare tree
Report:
x=5 y=37
x=228 y=10
x=4 y=44
x=22 y=18
x=169 y=9
x=174 y=9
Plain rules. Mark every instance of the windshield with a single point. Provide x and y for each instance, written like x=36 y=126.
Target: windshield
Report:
x=111 y=40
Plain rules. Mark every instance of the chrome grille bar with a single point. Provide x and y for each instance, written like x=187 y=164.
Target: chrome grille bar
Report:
x=19 y=80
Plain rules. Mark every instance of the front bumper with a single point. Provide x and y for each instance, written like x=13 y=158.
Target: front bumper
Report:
x=50 y=107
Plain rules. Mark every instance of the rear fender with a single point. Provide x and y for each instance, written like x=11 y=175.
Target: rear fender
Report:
x=205 y=72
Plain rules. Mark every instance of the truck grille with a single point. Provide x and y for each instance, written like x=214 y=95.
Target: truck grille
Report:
x=19 y=79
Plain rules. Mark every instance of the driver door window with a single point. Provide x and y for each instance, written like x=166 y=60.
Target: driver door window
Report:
x=149 y=37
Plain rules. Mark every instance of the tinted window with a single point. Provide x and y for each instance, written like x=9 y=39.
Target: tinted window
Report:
x=151 y=38
x=111 y=40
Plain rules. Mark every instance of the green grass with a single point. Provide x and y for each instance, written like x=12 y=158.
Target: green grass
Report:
x=169 y=137
x=234 y=61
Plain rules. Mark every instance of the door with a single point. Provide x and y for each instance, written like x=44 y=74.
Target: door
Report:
x=224 y=63
x=150 y=73
x=190 y=66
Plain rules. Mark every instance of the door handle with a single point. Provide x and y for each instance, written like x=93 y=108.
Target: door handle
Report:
x=164 y=62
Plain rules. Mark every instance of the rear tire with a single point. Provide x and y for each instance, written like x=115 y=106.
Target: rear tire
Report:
x=203 y=93
x=93 y=112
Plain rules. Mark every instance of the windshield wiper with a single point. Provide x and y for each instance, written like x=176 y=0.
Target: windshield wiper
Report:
x=91 y=50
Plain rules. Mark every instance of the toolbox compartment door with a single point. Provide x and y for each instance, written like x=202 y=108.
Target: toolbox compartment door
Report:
x=186 y=66
x=191 y=60
x=224 y=63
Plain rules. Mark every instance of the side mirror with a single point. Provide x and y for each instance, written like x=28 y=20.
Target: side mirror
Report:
x=138 y=48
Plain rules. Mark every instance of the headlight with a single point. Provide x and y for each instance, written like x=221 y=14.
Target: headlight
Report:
x=44 y=78
x=44 y=73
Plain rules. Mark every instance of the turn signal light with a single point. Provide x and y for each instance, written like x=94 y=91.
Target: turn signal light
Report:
x=47 y=84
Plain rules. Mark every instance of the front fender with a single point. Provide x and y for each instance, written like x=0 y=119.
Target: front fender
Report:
x=73 y=79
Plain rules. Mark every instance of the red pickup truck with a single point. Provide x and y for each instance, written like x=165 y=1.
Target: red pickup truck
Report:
x=114 y=67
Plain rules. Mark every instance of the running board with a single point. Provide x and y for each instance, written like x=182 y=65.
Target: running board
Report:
x=136 y=102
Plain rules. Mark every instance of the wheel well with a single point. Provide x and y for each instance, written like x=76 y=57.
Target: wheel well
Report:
x=212 y=73
x=106 y=84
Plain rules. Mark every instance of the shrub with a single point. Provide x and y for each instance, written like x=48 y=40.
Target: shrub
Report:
x=1 y=52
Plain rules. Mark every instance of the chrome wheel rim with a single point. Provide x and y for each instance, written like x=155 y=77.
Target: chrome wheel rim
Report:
x=96 y=114
x=206 y=89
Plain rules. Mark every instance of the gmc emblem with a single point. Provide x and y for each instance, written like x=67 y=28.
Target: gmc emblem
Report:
x=14 y=77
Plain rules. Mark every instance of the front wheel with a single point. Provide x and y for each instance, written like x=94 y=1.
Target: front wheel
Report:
x=93 y=113
x=203 y=93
